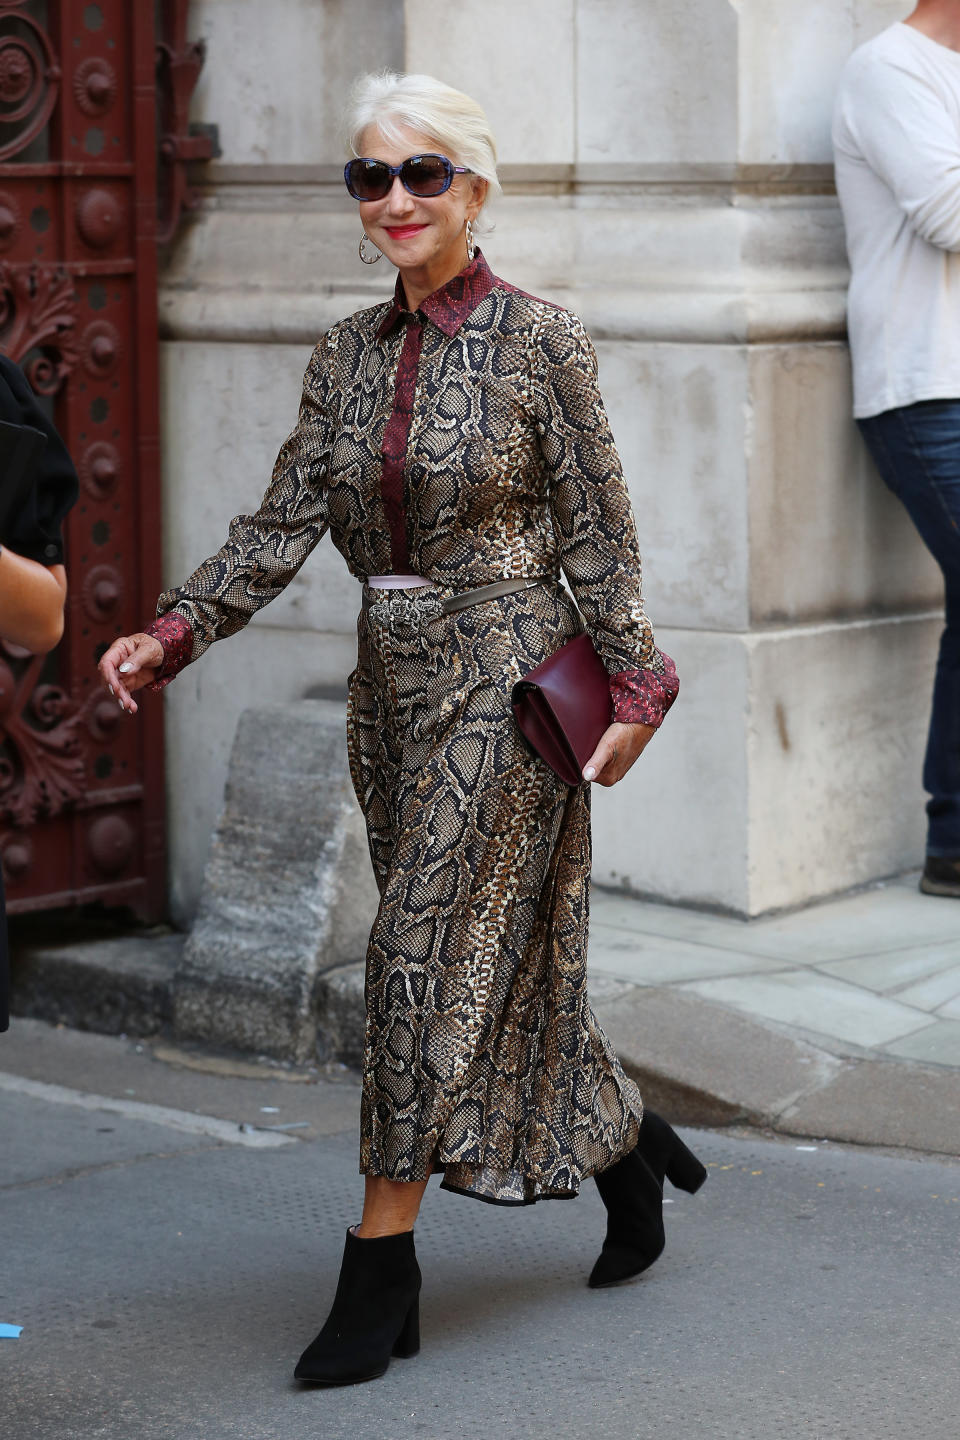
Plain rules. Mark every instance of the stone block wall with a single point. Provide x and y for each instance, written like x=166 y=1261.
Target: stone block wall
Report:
x=667 y=174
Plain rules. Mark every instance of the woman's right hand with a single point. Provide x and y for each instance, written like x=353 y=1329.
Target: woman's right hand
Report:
x=131 y=662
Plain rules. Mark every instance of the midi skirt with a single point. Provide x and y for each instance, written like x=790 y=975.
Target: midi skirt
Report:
x=483 y=1058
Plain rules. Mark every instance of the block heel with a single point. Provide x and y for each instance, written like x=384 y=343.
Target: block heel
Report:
x=408 y=1341
x=684 y=1170
x=666 y=1154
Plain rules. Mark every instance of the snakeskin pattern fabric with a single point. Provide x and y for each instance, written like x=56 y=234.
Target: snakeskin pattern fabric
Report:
x=508 y=466
x=483 y=1057
x=469 y=442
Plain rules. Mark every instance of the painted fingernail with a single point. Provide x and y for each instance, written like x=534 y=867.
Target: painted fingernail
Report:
x=111 y=689
x=589 y=773
x=125 y=668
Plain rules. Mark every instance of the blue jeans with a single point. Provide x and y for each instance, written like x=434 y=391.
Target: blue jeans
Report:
x=917 y=451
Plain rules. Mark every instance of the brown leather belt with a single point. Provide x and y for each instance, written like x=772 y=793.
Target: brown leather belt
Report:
x=450 y=604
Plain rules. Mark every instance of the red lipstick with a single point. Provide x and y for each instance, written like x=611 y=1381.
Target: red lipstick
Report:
x=403 y=232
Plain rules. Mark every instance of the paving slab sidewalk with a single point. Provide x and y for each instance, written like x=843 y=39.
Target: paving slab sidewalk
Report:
x=841 y=1020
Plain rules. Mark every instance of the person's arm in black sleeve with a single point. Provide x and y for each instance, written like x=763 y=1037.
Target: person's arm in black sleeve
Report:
x=33 y=581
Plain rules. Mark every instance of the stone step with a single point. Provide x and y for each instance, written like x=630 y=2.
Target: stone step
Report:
x=115 y=985
x=125 y=985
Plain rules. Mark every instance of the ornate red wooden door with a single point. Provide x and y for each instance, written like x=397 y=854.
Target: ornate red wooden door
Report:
x=81 y=786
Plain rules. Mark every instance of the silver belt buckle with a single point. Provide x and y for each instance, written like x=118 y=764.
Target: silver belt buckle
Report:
x=400 y=612
x=403 y=614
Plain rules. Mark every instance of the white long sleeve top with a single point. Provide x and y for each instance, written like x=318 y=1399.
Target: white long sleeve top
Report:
x=896 y=136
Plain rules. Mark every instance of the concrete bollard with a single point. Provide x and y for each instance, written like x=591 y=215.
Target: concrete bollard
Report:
x=288 y=894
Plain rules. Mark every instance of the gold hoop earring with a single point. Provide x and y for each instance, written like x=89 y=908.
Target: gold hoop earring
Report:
x=471 y=244
x=365 y=240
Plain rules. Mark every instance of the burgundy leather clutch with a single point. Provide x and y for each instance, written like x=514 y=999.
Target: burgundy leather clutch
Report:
x=563 y=707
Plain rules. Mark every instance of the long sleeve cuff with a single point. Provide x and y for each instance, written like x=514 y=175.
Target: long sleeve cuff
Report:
x=643 y=697
x=176 y=636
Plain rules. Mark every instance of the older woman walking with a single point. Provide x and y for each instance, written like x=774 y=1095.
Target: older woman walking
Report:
x=454 y=442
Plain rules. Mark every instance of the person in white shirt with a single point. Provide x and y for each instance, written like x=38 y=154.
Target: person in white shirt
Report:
x=896 y=136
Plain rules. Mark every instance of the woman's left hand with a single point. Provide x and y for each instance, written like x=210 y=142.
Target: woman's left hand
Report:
x=618 y=747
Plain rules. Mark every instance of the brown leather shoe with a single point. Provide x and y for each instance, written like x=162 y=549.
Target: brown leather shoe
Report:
x=941 y=876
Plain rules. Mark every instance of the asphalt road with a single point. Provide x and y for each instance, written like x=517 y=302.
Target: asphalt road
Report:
x=167 y=1280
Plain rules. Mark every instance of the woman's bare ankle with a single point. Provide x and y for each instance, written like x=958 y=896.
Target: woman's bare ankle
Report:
x=378 y=1230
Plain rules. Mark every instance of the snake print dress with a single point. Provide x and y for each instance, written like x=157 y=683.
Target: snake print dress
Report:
x=465 y=443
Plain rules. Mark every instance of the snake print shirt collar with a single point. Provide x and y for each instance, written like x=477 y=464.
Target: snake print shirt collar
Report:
x=449 y=306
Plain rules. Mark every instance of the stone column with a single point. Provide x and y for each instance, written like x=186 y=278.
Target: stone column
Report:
x=667 y=174
x=252 y=281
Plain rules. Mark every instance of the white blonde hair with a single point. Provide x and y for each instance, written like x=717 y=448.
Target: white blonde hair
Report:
x=394 y=102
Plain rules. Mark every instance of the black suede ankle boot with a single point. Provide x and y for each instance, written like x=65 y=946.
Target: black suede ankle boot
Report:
x=375 y=1314
x=632 y=1191
x=666 y=1154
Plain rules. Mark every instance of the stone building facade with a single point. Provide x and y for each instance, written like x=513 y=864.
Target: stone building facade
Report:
x=667 y=174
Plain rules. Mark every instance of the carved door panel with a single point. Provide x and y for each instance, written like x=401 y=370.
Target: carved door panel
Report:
x=81 y=786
